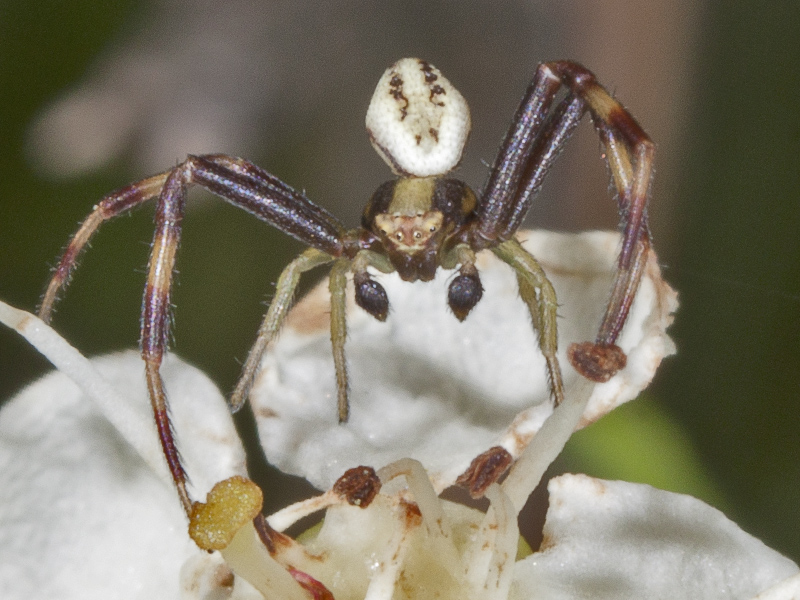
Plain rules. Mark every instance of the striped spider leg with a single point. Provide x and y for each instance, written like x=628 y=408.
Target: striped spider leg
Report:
x=533 y=142
x=413 y=225
x=243 y=185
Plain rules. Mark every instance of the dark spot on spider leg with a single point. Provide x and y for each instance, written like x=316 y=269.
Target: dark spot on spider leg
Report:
x=597 y=362
x=484 y=470
x=622 y=121
x=413 y=515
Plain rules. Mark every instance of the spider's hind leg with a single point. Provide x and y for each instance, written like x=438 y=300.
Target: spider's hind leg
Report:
x=532 y=144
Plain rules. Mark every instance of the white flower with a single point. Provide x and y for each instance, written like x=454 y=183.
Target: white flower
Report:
x=88 y=511
x=427 y=387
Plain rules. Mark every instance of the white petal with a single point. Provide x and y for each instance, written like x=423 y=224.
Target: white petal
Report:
x=81 y=514
x=613 y=539
x=425 y=386
x=788 y=589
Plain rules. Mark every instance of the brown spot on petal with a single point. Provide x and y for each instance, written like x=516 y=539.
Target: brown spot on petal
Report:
x=273 y=540
x=547 y=543
x=597 y=362
x=358 y=486
x=223 y=577
x=485 y=470
x=412 y=513
x=265 y=412
x=312 y=313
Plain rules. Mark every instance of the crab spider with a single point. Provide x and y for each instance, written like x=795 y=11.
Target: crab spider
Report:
x=414 y=224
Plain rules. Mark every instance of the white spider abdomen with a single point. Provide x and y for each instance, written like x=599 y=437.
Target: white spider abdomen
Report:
x=417 y=121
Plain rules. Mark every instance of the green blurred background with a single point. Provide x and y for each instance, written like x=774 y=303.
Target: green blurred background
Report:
x=717 y=85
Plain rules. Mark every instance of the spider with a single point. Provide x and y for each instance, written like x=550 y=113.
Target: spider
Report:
x=414 y=224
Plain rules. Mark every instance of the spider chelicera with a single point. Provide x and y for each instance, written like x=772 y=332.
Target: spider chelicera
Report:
x=414 y=224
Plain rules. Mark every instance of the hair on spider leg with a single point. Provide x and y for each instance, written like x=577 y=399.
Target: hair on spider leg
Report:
x=414 y=225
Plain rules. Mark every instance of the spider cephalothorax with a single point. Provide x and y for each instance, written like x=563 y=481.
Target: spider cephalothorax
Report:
x=418 y=222
x=414 y=225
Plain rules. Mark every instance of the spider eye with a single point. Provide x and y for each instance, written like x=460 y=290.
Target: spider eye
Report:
x=399 y=236
x=417 y=235
x=433 y=228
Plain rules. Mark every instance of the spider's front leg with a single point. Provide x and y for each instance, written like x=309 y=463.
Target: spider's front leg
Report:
x=369 y=295
x=275 y=316
x=533 y=142
x=264 y=196
x=242 y=184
